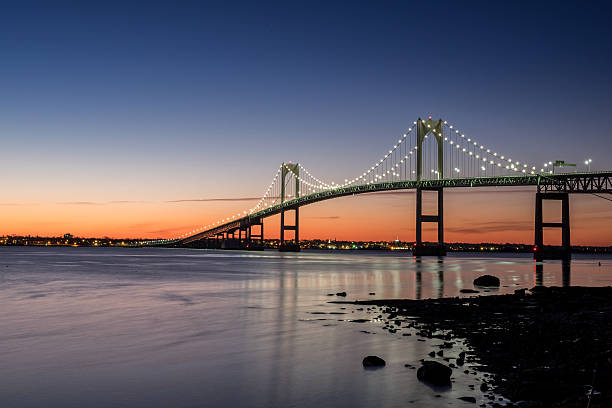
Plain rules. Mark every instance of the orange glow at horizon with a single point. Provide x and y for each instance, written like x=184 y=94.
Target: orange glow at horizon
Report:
x=470 y=215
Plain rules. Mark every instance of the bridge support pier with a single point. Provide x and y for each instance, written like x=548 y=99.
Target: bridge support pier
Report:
x=436 y=249
x=540 y=252
x=290 y=246
x=293 y=245
x=254 y=240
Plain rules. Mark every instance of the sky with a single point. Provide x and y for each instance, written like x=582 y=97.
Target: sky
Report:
x=149 y=119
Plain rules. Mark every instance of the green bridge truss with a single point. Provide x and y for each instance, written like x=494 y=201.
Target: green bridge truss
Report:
x=578 y=183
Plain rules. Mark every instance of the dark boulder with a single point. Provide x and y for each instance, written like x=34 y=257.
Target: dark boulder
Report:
x=486 y=280
x=341 y=294
x=469 y=291
x=434 y=373
x=468 y=399
x=539 y=289
x=373 y=361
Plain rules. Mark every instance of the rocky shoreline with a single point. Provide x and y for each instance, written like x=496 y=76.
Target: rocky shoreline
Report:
x=546 y=347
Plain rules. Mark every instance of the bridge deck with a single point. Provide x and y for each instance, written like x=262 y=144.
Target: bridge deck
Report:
x=580 y=183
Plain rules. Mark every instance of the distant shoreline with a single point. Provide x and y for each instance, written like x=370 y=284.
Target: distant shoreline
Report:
x=341 y=246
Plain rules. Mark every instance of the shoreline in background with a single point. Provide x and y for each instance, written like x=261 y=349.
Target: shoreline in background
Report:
x=69 y=240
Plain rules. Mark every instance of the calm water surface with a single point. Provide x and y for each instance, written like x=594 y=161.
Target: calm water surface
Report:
x=102 y=327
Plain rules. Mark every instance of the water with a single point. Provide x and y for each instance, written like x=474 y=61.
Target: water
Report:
x=105 y=327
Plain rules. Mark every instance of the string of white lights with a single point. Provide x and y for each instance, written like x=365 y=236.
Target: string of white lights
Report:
x=512 y=165
x=388 y=165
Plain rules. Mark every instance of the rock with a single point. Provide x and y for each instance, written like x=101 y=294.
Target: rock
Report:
x=486 y=280
x=373 y=361
x=341 y=294
x=432 y=354
x=484 y=387
x=468 y=399
x=469 y=291
x=372 y=293
x=330 y=294
x=520 y=292
x=434 y=373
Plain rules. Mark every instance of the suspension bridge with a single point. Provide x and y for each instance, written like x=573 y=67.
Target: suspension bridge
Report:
x=431 y=156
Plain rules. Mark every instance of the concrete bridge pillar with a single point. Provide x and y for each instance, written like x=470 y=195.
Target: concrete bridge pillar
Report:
x=540 y=252
x=292 y=245
x=419 y=248
x=255 y=241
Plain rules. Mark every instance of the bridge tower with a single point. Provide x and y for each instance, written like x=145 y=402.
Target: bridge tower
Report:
x=540 y=251
x=424 y=127
x=254 y=240
x=293 y=246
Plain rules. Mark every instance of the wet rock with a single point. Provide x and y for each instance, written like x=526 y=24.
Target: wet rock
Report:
x=486 y=280
x=373 y=361
x=539 y=289
x=343 y=294
x=469 y=291
x=520 y=292
x=434 y=373
x=468 y=399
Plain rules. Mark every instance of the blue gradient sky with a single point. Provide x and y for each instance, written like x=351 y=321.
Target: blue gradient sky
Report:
x=152 y=102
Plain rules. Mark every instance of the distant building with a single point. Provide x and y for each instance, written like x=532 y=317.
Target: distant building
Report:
x=68 y=236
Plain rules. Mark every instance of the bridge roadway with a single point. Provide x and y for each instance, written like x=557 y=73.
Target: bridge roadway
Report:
x=547 y=186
